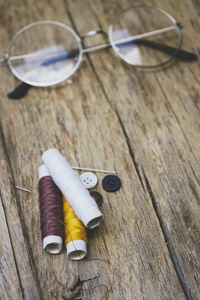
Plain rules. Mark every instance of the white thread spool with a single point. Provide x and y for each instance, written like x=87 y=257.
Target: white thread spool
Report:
x=51 y=243
x=69 y=183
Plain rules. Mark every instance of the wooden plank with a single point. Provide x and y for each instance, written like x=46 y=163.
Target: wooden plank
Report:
x=161 y=122
x=127 y=255
x=8 y=288
x=18 y=281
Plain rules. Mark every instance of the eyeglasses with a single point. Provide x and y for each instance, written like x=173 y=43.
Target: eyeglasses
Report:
x=46 y=53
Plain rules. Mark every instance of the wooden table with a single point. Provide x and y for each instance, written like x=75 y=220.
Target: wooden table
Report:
x=146 y=126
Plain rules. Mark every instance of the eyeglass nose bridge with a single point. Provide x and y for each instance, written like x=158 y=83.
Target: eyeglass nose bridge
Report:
x=96 y=47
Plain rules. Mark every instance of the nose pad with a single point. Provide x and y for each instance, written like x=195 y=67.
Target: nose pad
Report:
x=94 y=32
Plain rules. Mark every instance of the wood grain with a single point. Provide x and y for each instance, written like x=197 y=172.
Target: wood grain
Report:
x=108 y=117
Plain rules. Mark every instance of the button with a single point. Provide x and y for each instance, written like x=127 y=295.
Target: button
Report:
x=97 y=197
x=111 y=183
x=89 y=180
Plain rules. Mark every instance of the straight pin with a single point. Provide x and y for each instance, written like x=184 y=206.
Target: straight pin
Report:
x=94 y=170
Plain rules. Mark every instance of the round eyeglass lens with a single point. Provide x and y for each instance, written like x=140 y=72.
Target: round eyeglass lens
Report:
x=145 y=36
x=44 y=53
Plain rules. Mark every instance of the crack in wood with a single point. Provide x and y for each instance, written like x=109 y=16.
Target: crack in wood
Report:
x=130 y=150
x=197 y=179
x=170 y=247
x=77 y=288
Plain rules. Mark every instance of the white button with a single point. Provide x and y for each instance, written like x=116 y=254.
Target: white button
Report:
x=89 y=180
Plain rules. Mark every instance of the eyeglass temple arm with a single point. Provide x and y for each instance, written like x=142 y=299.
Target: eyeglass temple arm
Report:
x=179 y=53
x=20 y=91
x=137 y=39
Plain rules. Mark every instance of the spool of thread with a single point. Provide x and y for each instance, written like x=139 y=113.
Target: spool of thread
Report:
x=69 y=183
x=51 y=213
x=75 y=233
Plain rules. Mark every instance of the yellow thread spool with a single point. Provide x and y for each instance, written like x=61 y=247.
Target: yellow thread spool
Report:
x=75 y=233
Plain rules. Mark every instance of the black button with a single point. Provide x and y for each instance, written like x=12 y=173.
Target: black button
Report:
x=97 y=197
x=111 y=183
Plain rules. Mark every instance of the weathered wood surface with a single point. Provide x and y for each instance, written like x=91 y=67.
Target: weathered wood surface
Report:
x=144 y=125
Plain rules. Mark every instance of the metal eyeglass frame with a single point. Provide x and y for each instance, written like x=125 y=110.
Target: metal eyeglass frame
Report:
x=176 y=52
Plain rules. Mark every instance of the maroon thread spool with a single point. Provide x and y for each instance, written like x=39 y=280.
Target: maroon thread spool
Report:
x=51 y=212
